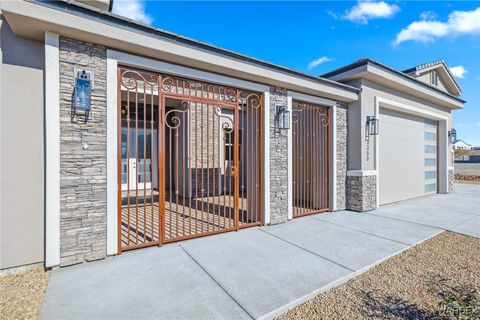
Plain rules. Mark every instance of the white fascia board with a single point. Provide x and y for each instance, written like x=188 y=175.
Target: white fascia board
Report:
x=86 y=29
x=412 y=87
x=369 y=71
x=443 y=70
x=310 y=99
x=52 y=149
x=176 y=70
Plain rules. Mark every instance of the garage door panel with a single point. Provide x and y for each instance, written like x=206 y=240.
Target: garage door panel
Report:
x=407 y=149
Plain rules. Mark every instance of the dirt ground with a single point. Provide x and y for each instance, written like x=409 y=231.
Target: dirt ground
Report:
x=402 y=287
x=21 y=294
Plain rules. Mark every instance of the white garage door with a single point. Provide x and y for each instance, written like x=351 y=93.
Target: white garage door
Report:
x=408 y=156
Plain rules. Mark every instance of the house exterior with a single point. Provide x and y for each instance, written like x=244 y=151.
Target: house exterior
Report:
x=462 y=145
x=131 y=136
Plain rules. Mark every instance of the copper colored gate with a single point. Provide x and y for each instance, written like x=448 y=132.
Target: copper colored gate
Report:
x=311 y=152
x=189 y=158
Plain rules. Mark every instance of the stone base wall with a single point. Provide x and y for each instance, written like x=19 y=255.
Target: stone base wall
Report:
x=341 y=131
x=451 y=178
x=361 y=193
x=278 y=161
x=83 y=172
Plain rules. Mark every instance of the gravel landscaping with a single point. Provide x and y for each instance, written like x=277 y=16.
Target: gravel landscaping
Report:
x=22 y=294
x=467 y=173
x=412 y=285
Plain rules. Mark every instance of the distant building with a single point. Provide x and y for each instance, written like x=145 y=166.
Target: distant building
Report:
x=462 y=145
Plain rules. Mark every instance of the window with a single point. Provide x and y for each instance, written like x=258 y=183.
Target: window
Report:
x=430 y=136
x=429 y=162
x=434 y=78
x=429 y=149
x=229 y=139
x=432 y=187
x=430 y=175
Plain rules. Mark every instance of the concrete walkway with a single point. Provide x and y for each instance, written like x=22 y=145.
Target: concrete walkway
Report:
x=257 y=272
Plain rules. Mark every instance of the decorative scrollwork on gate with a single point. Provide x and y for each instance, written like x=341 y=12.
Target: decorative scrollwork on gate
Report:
x=172 y=120
x=315 y=108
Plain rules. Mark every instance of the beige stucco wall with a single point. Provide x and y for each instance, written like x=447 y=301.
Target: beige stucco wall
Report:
x=22 y=151
x=366 y=107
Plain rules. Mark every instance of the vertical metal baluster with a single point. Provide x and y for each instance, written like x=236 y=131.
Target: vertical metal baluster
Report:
x=201 y=162
x=208 y=168
x=152 y=196
x=136 y=164
x=144 y=162
x=184 y=150
x=128 y=166
x=177 y=213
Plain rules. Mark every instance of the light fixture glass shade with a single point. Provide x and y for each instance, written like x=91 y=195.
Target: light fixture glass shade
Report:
x=452 y=136
x=372 y=123
x=283 y=116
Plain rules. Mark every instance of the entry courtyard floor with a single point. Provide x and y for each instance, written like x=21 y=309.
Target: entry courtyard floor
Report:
x=257 y=272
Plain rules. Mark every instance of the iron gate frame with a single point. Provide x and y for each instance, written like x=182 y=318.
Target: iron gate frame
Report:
x=163 y=94
x=328 y=156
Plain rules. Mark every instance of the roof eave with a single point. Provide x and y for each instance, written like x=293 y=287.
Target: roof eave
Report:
x=360 y=68
x=103 y=19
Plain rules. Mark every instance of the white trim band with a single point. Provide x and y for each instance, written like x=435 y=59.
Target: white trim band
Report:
x=361 y=173
x=52 y=149
x=112 y=149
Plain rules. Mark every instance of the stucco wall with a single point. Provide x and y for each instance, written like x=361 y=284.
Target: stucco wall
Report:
x=22 y=147
x=357 y=159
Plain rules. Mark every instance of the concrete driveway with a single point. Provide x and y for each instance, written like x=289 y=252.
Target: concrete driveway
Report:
x=257 y=272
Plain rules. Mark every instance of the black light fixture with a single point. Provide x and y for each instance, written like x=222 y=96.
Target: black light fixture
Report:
x=83 y=88
x=283 y=117
x=452 y=136
x=372 y=124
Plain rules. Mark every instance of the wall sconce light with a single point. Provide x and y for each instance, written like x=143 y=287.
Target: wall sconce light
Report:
x=81 y=100
x=372 y=124
x=283 y=117
x=452 y=136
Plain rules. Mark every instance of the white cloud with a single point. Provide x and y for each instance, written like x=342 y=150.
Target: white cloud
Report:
x=458 y=23
x=332 y=14
x=458 y=71
x=428 y=15
x=318 y=62
x=367 y=10
x=132 y=9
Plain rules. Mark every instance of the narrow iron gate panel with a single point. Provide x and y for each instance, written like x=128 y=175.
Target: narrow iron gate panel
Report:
x=138 y=101
x=311 y=153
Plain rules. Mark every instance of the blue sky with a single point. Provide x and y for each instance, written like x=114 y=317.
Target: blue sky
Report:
x=316 y=37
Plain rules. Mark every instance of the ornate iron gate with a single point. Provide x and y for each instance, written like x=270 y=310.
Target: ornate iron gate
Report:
x=189 y=158
x=311 y=154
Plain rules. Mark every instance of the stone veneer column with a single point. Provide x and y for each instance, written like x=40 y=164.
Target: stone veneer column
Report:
x=83 y=174
x=451 y=178
x=278 y=161
x=341 y=131
x=361 y=193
